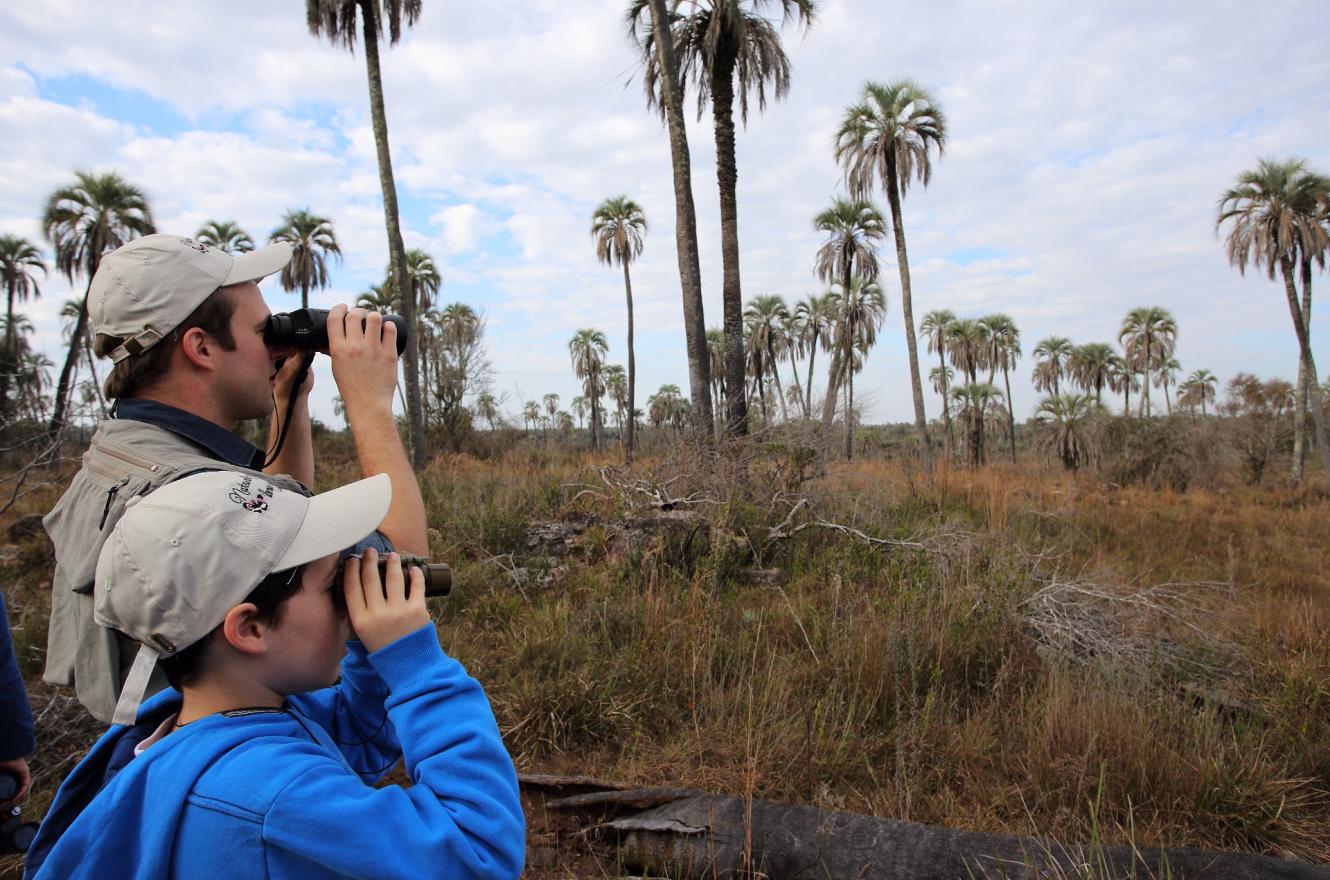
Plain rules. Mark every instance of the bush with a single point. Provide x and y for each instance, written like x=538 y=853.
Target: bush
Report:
x=1168 y=453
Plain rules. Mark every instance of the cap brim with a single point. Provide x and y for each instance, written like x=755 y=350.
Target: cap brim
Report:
x=338 y=519
x=258 y=264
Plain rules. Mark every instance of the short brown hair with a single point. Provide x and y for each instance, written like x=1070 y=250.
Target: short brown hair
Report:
x=134 y=373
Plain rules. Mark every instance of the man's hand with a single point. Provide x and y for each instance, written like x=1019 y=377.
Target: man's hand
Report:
x=19 y=766
x=382 y=613
x=364 y=359
x=286 y=376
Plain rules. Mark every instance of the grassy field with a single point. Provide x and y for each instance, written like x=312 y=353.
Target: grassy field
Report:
x=1015 y=649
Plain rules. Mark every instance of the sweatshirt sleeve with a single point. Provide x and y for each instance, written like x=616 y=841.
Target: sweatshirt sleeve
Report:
x=354 y=714
x=16 y=738
x=461 y=819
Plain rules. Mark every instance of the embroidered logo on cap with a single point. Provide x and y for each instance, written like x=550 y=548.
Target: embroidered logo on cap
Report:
x=249 y=496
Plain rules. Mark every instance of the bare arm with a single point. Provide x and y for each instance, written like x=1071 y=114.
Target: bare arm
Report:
x=296 y=456
x=364 y=361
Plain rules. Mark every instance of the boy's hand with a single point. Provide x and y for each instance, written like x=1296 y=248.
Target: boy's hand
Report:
x=381 y=613
x=19 y=767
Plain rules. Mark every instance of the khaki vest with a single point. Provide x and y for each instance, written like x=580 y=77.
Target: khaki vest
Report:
x=126 y=459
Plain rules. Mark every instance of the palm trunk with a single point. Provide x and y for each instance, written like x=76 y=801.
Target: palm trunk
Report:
x=834 y=378
x=1011 y=419
x=71 y=361
x=1168 y=404
x=762 y=393
x=775 y=375
x=808 y=389
x=1145 y=389
x=92 y=369
x=1304 y=343
x=947 y=439
x=690 y=272
x=632 y=364
x=907 y=313
x=304 y=294
x=1304 y=378
x=396 y=250
x=727 y=179
x=794 y=368
x=9 y=362
x=849 y=416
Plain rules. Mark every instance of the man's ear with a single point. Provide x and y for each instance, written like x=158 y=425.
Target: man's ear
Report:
x=244 y=631
x=198 y=347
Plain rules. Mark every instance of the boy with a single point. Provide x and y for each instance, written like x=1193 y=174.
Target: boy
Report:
x=255 y=764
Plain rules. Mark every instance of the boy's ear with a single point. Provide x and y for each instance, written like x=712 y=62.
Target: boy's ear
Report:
x=198 y=347
x=243 y=630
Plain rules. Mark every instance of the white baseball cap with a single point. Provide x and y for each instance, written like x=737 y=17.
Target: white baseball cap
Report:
x=143 y=290
x=182 y=557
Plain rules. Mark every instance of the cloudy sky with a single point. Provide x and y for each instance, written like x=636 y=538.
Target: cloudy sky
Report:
x=1088 y=144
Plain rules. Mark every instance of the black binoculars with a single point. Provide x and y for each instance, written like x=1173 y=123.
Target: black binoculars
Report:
x=438 y=576
x=308 y=329
x=15 y=834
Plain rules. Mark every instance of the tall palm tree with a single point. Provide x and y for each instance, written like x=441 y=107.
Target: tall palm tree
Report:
x=1166 y=376
x=793 y=344
x=762 y=331
x=579 y=404
x=1091 y=367
x=225 y=235
x=19 y=260
x=618 y=227
x=716 y=364
x=69 y=314
x=1121 y=377
x=1004 y=350
x=487 y=408
x=934 y=328
x=587 y=349
x=312 y=241
x=967 y=342
x=862 y=309
x=424 y=280
x=1052 y=358
x=1275 y=218
x=817 y=317
x=530 y=415
x=853 y=229
x=721 y=44
x=974 y=399
x=95 y=214
x=1199 y=389
x=887 y=138
x=651 y=33
x=1148 y=336
x=336 y=20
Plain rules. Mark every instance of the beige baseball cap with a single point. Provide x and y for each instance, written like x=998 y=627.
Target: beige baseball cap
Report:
x=143 y=290
x=182 y=557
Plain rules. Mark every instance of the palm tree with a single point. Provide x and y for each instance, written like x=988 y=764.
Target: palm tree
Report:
x=1052 y=358
x=1148 y=336
x=817 y=317
x=617 y=227
x=1063 y=422
x=587 y=349
x=1121 y=377
x=934 y=328
x=664 y=89
x=551 y=402
x=225 y=235
x=862 y=311
x=336 y=20
x=721 y=44
x=716 y=365
x=379 y=298
x=616 y=386
x=792 y=343
x=1199 y=389
x=95 y=214
x=19 y=260
x=1166 y=376
x=887 y=139
x=967 y=342
x=1275 y=215
x=312 y=242
x=853 y=230
x=762 y=331
x=69 y=314
x=1091 y=367
x=974 y=400
x=1004 y=350
x=579 y=404
x=530 y=415
x=487 y=408
x=423 y=279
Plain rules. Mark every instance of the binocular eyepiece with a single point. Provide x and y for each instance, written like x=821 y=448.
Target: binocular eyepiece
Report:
x=308 y=329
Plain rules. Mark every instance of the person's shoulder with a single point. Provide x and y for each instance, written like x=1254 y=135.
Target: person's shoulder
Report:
x=252 y=774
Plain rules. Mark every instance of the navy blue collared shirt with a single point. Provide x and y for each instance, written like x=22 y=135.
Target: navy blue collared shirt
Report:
x=223 y=444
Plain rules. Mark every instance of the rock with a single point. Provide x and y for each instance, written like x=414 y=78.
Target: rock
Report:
x=763 y=577
x=557 y=537
x=679 y=537
x=539 y=577
x=26 y=526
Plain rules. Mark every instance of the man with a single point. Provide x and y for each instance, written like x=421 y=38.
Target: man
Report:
x=183 y=324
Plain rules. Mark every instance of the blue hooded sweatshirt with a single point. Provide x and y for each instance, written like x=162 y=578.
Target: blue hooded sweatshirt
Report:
x=284 y=793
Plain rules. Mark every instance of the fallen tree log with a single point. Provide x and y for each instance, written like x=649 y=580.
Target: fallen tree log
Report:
x=715 y=836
